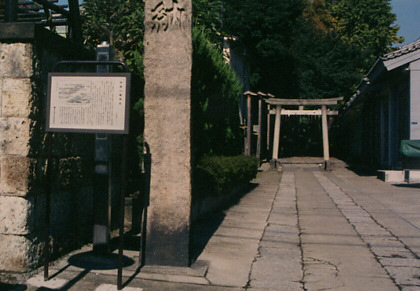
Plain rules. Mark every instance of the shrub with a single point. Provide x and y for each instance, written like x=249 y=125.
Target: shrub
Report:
x=215 y=176
x=215 y=96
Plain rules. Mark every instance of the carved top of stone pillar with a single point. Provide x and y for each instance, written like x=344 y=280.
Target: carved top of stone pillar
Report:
x=163 y=15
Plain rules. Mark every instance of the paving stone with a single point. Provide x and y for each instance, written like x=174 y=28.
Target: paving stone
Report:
x=16 y=215
x=400 y=262
x=405 y=275
x=410 y=288
x=391 y=252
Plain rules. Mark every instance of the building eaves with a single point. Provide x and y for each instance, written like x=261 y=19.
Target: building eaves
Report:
x=403 y=50
x=400 y=57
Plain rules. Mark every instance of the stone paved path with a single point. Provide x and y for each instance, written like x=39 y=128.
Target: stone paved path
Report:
x=296 y=230
x=339 y=231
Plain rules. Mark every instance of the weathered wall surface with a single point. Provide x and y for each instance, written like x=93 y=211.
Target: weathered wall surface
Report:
x=24 y=65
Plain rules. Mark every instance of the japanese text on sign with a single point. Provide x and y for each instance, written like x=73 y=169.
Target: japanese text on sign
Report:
x=88 y=103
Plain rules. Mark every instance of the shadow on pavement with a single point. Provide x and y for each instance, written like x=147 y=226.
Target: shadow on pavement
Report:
x=413 y=185
x=362 y=171
x=12 y=287
x=92 y=261
x=205 y=227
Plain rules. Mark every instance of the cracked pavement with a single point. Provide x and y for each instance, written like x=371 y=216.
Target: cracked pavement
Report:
x=301 y=228
x=347 y=232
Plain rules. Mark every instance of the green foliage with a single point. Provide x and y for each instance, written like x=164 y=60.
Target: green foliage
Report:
x=326 y=66
x=311 y=49
x=120 y=22
x=215 y=100
x=219 y=175
x=208 y=15
x=366 y=24
x=215 y=89
x=267 y=29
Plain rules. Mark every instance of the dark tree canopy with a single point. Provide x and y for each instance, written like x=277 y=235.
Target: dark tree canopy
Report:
x=366 y=24
x=310 y=49
x=295 y=48
x=267 y=29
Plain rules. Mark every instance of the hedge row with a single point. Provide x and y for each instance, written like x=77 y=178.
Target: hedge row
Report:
x=217 y=175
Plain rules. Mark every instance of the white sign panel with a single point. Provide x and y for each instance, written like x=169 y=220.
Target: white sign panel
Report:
x=96 y=103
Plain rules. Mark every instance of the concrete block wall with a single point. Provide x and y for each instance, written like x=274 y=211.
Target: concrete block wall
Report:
x=24 y=65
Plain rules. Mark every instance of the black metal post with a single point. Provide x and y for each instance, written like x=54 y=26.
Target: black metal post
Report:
x=11 y=11
x=47 y=207
x=122 y=210
x=103 y=171
x=76 y=27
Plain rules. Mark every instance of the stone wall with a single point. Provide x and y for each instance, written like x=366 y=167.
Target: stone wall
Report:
x=24 y=65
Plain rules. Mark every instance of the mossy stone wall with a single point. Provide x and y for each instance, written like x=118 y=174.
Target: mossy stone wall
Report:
x=25 y=61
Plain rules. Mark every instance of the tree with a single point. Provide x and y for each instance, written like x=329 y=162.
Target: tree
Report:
x=327 y=66
x=267 y=29
x=311 y=49
x=120 y=22
x=207 y=14
x=215 y=89
x=367 y=24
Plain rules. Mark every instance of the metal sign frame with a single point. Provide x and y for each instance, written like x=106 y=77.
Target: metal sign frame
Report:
x=50 y=132
x=91 y=78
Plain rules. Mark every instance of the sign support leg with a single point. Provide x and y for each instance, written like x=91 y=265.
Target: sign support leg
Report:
x=122 y=209
x=47 y=207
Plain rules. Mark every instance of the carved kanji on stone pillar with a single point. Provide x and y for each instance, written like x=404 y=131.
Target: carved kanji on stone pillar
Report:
x=169 y=13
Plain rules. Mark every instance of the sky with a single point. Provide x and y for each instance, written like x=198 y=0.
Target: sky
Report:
x=408 y=18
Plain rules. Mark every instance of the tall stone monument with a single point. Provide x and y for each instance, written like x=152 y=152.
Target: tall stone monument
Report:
x=168 y=61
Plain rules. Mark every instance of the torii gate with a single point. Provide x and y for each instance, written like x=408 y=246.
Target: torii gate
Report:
x=279 y=110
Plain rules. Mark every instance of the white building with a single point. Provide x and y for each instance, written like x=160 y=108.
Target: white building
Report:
x=384 y=110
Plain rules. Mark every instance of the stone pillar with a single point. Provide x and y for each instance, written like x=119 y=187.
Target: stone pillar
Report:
x=276 y=142
x=325 y=136
x=168 y=61
x=248 y=146
x=259 y=137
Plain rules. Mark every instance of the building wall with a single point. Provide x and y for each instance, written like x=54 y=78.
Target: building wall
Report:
x=375 y=126
x=24 y=65
x=389 y=123
x=415 y=100
x=235 y=55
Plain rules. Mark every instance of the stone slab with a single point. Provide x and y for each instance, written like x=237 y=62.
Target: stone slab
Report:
x=16 y=252
x=16 y=60
x=54 y=283
x=16 y=215
x=14 y=136
x=14 y=175
x=16 y=96
x=412 y=176
x=391 y=176
x=110 y=287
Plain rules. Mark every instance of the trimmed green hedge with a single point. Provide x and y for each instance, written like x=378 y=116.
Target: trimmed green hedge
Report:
x=215 y=176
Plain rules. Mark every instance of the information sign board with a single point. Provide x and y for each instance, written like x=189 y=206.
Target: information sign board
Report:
x=88 y=102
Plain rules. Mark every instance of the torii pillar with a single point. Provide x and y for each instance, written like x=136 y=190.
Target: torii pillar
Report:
x=167 y=107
